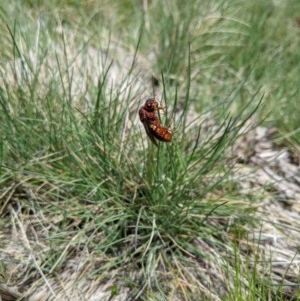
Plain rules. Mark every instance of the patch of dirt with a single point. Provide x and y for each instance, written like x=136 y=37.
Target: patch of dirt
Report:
x=269 y=171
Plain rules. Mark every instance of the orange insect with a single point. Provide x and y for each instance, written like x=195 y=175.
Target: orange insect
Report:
x=152 y=124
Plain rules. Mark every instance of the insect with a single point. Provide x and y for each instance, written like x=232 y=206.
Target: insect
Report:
x=153 y=127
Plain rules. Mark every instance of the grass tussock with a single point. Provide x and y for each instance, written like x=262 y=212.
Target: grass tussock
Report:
x=90 y=208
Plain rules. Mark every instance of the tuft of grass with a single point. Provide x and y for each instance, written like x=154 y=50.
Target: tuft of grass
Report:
x=80 y=183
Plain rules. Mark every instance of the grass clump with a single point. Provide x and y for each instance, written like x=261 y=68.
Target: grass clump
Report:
x=84 y=195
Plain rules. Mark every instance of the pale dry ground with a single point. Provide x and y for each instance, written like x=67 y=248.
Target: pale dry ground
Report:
x=271 y=172
x=261 y=169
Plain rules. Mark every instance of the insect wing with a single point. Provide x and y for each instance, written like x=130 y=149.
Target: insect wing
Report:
x=149 y=133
